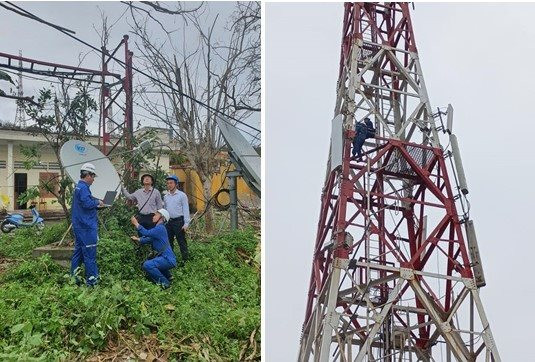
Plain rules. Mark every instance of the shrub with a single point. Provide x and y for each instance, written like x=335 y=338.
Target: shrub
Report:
x=212 y=307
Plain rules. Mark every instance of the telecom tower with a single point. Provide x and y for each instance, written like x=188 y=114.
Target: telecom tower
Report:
x=20 y=120
x=396 y=269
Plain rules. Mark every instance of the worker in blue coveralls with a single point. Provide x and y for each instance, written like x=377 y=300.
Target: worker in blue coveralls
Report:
x=363 y=130
x=85 y=225
x=157 y=268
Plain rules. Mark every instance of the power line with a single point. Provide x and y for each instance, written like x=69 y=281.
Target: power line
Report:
x=25 y=13
x=255 y=136
x=34 y=78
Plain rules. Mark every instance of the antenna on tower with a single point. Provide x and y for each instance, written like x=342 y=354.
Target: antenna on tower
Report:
x=20 y=120
x=110 y=124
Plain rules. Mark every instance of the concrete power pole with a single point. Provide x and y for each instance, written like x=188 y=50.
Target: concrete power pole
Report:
x=396 y=270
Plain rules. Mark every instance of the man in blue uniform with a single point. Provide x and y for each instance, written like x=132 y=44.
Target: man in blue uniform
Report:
x=363 y=130
x=85 y=225
x=157 y=268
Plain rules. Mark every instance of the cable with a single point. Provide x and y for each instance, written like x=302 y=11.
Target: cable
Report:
x=33 y=78
x=171 y=126
x=69 y=34
x=89 y=89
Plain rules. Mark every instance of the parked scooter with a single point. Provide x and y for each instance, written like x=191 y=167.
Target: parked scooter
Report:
x=14 y=221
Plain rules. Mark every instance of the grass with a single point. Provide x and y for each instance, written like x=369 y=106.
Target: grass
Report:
x=211 y=312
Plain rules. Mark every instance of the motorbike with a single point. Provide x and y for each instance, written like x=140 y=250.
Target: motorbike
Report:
x=14 y=221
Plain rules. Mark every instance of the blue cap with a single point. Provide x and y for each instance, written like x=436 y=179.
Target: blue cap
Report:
x=173 y=177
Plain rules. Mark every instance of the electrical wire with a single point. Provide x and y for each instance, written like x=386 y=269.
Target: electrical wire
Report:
x=176 y=132
x=33 y=78
x=20 y=11
x=89 y=89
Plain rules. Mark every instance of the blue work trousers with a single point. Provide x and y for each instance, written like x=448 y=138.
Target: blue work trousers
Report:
x=158 y=270
x=85 y=251
x=358 y=142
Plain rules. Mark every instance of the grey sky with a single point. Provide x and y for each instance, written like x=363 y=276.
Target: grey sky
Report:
x=39 y=41
x=475 y=56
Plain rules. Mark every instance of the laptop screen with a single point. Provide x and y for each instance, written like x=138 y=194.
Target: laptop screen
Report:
x=109 y=197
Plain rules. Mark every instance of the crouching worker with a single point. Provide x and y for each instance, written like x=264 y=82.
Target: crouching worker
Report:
x=157 y=268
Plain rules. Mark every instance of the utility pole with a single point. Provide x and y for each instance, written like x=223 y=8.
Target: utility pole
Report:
x=233 y=193
x=396 y=270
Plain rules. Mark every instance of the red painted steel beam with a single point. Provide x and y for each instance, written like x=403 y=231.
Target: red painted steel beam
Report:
x=393 y=28
x=56 y=67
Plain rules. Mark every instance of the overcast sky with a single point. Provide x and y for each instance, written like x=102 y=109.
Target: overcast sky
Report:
x=477 y=57
x=38 y=41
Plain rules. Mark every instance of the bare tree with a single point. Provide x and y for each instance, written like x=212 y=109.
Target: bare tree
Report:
x=219 y=74
x=59 y=116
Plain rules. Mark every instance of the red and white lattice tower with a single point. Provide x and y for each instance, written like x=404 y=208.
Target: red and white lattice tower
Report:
x=396 y=269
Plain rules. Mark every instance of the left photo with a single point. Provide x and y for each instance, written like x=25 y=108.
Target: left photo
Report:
x=130 y=173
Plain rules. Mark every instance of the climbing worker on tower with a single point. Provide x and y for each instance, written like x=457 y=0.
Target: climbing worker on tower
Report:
x=176 y=202
x=157 y=268
x=363 y=130
x=85 y=225
x=148 y=199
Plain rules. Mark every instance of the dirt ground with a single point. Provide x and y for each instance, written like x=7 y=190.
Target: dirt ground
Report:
x=5 y=263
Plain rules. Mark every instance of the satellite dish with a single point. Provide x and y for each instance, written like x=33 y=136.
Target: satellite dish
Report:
x=74 y=154
x=242 y=154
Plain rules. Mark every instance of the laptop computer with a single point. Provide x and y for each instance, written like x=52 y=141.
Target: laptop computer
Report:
x=109 y=198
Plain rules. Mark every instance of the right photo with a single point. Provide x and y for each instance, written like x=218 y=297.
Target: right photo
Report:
x=398 y=149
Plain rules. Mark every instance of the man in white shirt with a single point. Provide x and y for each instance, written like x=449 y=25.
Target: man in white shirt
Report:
x=176 y=202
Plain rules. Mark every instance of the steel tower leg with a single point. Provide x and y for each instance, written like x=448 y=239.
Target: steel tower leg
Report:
x=330 y=320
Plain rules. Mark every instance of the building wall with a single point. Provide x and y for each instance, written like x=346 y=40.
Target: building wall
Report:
x=49 y=163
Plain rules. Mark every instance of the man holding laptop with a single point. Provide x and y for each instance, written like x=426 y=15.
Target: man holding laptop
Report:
x=148 y=201
x=85 y=225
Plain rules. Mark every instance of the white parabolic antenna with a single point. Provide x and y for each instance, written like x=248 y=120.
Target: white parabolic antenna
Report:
x=74 y=154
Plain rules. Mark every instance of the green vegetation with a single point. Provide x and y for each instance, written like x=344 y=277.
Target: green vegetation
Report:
x=211 y=312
